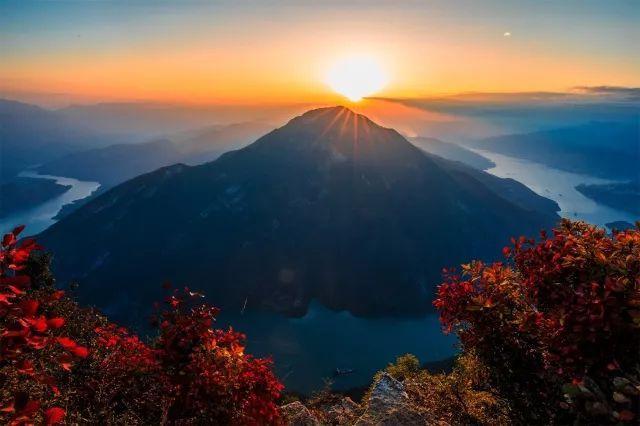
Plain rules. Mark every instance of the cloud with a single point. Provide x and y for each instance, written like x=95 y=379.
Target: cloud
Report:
x=507 y=34
x=628 y=93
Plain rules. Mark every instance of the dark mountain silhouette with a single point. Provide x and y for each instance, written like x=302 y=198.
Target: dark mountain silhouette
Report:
x=606 y=149
x=115 y=164
x=330 y=206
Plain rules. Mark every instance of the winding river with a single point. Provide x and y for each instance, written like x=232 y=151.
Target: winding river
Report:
x=39 y=218
x=559 y=186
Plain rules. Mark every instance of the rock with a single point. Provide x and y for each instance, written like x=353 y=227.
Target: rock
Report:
x=344 y=412
x=296 y=414
x=389 y=405
x=387 y=393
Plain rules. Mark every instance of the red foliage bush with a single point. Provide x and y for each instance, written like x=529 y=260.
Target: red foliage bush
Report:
x=559 y=325
x=29 y=335
x=189 y=373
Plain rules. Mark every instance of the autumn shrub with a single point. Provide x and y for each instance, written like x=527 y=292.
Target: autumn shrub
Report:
x=462 y=397
x=63 y=363
x=405 y=366
x=35 y=349
x=557 y=324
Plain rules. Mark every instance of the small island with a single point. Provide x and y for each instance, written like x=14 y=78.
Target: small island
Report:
x=24 y=193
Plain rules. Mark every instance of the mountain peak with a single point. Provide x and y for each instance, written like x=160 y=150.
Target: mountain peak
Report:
x=334 y=114
x=340 y=134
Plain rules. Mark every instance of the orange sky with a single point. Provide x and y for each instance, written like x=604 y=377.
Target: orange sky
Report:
x=231 y=54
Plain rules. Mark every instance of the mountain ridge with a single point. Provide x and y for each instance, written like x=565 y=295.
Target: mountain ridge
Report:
x=330 y=206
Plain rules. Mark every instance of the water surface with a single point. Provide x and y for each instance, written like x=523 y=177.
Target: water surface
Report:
x=306 y=350
x=39 y=218
x=559 y=186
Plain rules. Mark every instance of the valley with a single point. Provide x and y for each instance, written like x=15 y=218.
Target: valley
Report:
x=306 y=347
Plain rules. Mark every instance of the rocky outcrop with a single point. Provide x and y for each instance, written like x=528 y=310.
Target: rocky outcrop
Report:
x=387 y=405
x=344 y=412
x=296 y=414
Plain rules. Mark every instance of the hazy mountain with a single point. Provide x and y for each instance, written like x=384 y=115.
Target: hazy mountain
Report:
x=330 y=206
x=208 y=144
x=117 y=163
x=24 y=193
x=452 y=151
x=606 y=149
x=624 y=196
x=157 y=120
x=30 y=135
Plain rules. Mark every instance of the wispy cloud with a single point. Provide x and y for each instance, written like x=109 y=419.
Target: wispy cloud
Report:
x=629 y=93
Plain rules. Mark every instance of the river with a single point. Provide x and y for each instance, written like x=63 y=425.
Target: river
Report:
x=39 y=218
x=559 y=186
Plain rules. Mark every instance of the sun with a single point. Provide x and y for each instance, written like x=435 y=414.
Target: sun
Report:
x=356 y=77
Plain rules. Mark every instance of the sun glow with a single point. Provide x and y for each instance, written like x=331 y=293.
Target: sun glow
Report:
x=356 y=77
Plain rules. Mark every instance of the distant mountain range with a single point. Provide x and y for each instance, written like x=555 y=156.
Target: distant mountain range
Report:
x=452 y=151
x=330 y=206
x=151 y=120
x=30 y=135
x=604 y=149
x=114 y=164
x=96 y=141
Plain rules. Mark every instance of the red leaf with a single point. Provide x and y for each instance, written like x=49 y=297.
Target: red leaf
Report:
x=65 y=362
x=8 y=409
x=20 y=281
x=29 y=307
x=57 y=295
x=39 y=324
x=29 y=244
x=54 y=415
x=80 y=351
x=55 y=322
x=17 y=230
x=25 y=367
x=66 y=343
x=8 y=239
x=16 y=290
x=4 y=298
x=37 y=342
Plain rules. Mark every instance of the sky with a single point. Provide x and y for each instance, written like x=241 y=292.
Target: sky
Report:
x=282 y=51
